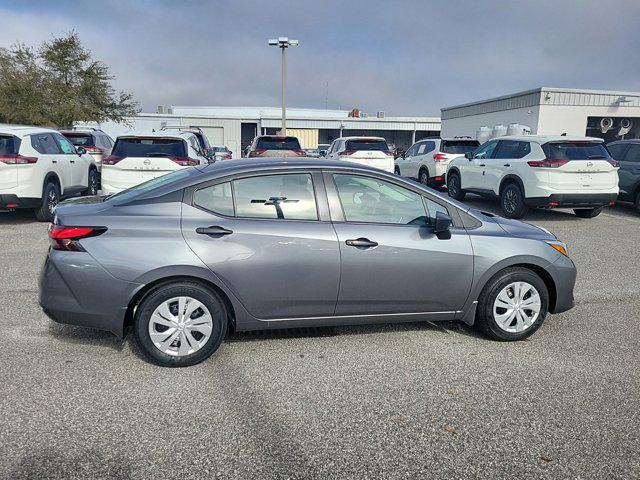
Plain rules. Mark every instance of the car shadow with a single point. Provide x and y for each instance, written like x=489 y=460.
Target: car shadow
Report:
x=17 y=217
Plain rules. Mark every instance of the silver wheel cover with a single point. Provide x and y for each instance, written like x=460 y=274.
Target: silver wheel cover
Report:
x=517 y=307
x=180 y=326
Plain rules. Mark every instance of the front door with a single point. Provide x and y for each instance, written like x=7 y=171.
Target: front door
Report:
x=473 y=171
x=264 y=238
x=392 y=262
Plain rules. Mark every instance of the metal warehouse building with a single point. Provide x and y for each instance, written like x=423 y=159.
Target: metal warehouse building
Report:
x=549 y=111
x=236 y=127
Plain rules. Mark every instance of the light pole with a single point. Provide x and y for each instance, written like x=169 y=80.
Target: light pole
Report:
x=283 y=43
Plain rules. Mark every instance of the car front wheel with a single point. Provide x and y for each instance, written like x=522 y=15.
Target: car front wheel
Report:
x=180 y=324
x=512 y=305
x=587 y=212
x=93 y=183
x=453 y=187
x=424 y=177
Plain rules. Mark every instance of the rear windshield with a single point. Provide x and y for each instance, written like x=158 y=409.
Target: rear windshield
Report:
x=80 y=139
x=367 y=144
x=278 y=143
x=575 y=151
x=149 y=147
x=9 y=145
x=459 y=146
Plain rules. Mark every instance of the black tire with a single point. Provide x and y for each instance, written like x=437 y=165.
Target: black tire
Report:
x=423 y=176
x=512 y=201
x=93 y=182
x=485 y=319
x=587 y=212
x=636 y=204
x=453 y=187
x=50 y=198
x=397 y=170
x=166 y=292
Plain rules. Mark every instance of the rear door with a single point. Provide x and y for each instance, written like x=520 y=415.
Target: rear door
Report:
x=392 y=262
x=45 y=144
x=269 y=238
x=582 y=166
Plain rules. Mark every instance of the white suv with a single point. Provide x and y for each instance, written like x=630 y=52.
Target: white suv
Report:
x=538 y=171
x=136 y=158
x=371 y=151
x=427 y=160
x=39 y=167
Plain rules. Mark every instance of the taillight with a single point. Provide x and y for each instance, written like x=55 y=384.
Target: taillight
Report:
x=546 y=163
x=185 y=161
x=257 y=152
x=388 y=153
x=17 y=160
x=94 y=150
x=614 y=163
x=227 y=156
x=347 y=152
x=299 y=152
x=111 y=160
x=440 y=157
x=66 y=238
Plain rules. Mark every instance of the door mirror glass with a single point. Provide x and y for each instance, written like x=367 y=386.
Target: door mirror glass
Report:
x=81 y=150
x=210 y=152
x=442 y=225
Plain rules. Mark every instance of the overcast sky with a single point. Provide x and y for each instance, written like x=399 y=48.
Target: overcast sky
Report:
x=403 y=57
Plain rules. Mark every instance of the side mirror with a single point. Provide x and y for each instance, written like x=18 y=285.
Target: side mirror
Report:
x=81 y=150
x=468 y=155
x=210 y=152
x=442 y=226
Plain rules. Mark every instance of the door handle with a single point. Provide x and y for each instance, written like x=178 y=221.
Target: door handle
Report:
x=215 y=231
x=507 y=165
x=482 y=165
x=361 y=243
x=72 y=161
x=54 y=161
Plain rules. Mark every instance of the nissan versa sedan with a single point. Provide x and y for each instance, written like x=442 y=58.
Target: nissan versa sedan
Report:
x=263 y=244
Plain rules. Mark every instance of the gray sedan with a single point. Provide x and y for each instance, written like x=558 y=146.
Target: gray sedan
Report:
x=263 y=244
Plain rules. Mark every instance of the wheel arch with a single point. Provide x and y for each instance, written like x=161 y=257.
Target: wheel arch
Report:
x=52 y=177
x=453 y=170
x=511 y=178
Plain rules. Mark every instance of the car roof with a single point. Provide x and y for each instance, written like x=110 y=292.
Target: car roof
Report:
x=362 y=137
x=548 y=138
x=161 y=134
x=19 y=130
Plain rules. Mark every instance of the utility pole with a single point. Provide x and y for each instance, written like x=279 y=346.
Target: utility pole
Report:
x=283 y=43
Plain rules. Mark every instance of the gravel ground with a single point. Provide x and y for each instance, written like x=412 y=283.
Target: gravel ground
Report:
x=403 y=401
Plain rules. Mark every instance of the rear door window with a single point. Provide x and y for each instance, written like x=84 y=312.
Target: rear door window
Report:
x=459 y=147
x=575 y=151
x=9 y=145
x=44 y=143
x=286 y=197
x=633 y=154
x=367 y=144
x=512 y=149
x=216 y=199
x=617 y=150
x=149 y=147
x=278 y=143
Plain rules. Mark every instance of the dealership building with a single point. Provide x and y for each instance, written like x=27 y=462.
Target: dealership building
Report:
x=235 y=127
x=548 y=111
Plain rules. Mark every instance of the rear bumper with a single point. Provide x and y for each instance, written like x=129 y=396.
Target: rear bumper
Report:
x=76 y=290
x=572 y=200
x=10 y=201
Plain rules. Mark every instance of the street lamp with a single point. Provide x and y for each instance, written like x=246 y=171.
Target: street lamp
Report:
x=283 y=43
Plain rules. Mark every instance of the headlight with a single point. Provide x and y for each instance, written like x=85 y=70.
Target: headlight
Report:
x=559 y=246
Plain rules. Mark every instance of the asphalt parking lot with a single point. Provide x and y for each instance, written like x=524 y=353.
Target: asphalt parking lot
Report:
x=403 y=401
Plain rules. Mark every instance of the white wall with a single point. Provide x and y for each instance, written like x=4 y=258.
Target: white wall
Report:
x=558 y=119
x=468 y=126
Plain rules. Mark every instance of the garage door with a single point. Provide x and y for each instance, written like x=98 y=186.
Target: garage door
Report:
x=215 y=135
x=308 y=137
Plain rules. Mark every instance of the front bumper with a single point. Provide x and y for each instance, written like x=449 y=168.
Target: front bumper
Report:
x=11 y=201
x=572 y=200
x=76 y=290
x=563 y=271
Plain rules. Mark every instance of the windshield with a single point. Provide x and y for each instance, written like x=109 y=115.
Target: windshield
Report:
x=278 y=143
x=9 y=145
x=575 y=151
x=80 y=139
x=367 y=144
x=149 y=185
x=459 y=147
x=149 y=147
x=220 y=149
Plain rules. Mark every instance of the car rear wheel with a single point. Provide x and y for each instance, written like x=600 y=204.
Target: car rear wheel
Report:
x=512 y=201
x=512 y=305
x=50 y=198
x=93 y=183
x=424 y=176
x=587 y=212
x=453 y=187
x=397 y=170
x=180 y=324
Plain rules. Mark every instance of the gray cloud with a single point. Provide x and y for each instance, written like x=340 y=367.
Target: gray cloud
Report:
x=405 y=57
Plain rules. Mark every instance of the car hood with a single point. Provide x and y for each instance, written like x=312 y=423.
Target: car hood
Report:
x=516 y=228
